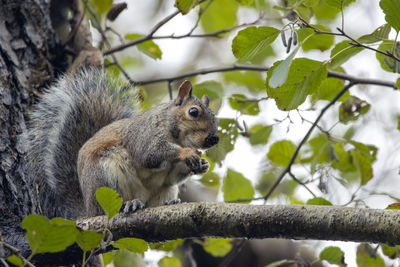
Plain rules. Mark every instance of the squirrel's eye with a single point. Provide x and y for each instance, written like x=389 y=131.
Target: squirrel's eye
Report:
x=194 y=112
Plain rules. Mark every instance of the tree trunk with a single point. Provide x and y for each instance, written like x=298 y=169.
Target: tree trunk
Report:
x=29 y=56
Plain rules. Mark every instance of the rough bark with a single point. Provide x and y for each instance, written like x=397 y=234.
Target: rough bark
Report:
x=191 y=220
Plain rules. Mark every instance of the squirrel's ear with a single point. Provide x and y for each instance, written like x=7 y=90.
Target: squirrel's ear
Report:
x=185 y=91
x=205 y=100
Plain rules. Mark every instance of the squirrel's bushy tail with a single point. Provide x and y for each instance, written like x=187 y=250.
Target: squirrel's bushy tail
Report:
x=71 y=111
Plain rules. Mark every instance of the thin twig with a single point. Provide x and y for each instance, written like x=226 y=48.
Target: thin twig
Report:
x=301 y=183
x=305 y=138
x=17 y=252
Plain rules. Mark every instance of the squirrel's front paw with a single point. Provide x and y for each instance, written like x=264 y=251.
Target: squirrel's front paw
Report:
x=203 y=168
x=132 y=206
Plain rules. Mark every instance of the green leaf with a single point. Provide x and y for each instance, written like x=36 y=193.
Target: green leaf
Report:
x=281 y=72
x=45 y=236
x=250 y=42
x=210 y=179
x=15 y=260
x=281 y=152
x=398 y=84
x=107 y=258
x=320 y=147
x=319 y=201
x=149 y=48
x=220 y=14
x=391 y=9
x=387 y=46
x=228 y=134
x=166 y=246
x=236 y=186
x=367 y=256
x=124 y=258
x=259 y=134
x=352 y=109
x=333 y=255
x=343 y=160
x=238 y=102
x=213 y=90
x=363 y=166
x=268 y=177
x=342 y=52
x=185 y=6
x=217 y=247
x=338 y=4
x=251 y=79
x=380 y=34
x=281 y=263
x=88 y=240
x=313 y=41
x=100 y=7
x=109 y=200
x=169 y=262
x=328 y=89
x=305 y=76
x=132 y=244
x=391 y=252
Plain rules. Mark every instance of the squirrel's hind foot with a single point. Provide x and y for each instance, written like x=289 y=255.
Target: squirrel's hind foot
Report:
x=172 y=202
x=132 y=206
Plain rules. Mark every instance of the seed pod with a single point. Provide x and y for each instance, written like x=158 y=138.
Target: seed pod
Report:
x=289 y=44
x=115 y=10
x=398 y=66
x=283 y=36
x=395 y=63
x=295 y=38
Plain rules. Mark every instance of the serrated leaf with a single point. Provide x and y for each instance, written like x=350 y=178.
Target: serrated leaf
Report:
x=305 y=76
x=333 y=255
x=342 y=52
x=367 y=256
x=391 y=9
x=185 y=6
x=214 y=90
x=319 y=201
x=44 y=236
x=220 y=14
x=135 y=245
x=250 y=42
x=281 y=72
x=236 y=187
x=238 y=102
x=217 y=247
x=363 y=166
x=15 y=260
x=228 y=133
x=169 y=262
x=281 y=152
x=313 y=41
x=259 y=134
x=150 y=48
x=88 y=240
x=380 y=34
x=109 y=200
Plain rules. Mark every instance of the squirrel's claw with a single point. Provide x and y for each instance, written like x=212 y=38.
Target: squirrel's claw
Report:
x=132 y=206
x=173 y=202
x=203 y=168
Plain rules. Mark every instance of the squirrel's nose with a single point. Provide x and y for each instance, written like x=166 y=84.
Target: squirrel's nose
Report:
x=211 y=140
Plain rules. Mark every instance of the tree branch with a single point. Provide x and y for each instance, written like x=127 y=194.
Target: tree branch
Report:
x=193 y=220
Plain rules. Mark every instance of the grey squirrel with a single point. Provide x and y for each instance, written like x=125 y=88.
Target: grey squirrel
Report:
x=82 y=137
